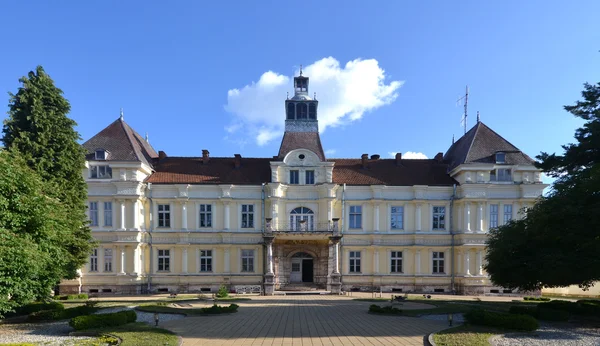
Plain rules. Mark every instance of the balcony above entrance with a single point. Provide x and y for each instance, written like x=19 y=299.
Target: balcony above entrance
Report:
x=302 y=229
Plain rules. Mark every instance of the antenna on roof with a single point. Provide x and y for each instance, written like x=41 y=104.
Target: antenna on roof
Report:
x=466 y=99
x=121 y=116
x=453 y=138
x=478 y=120
x=301 y=69
x=147 y=141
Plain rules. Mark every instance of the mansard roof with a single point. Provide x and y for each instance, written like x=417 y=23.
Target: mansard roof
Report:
x=122 y=144
x=301 y=140
x=480 y=144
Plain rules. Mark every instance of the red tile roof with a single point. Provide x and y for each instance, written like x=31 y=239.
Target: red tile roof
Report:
x=301 y=140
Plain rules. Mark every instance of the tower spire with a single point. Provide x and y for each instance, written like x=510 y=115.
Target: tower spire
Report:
x=301 y=69
x=478 y=119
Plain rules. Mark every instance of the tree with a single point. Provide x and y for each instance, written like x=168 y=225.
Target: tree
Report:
x=39 y=129
x=556 y=244
x=33 y=225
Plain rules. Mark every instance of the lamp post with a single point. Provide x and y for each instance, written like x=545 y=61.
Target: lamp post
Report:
x=156 y=318
x=450 y=317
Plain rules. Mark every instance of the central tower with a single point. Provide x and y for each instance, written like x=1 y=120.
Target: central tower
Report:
x=301 y=124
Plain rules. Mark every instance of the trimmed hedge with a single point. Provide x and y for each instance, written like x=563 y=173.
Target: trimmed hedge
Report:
x=80 y=296
x=537 y=299
x=581 y=307
x=103 y=320
x=52 y=315
x=218 y=309
x=523 y=310
x=502 y=320
x=384 y=310
x=37 y=306
x=541 y=312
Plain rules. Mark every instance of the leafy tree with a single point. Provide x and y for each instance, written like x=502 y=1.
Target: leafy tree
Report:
x=33 y=225
x=556 y=244
x=39 y=129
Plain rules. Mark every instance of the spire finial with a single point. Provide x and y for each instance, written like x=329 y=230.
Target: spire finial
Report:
x=478 y=119
x=315 y=95
x=287 y=95
x=121 y=114
x=147 y=141
x=453 y=138
x=301 y=69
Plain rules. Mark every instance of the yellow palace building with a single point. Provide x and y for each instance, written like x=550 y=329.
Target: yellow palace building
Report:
x=298 y=220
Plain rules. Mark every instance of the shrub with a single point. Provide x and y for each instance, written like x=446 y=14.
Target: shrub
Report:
x=502 y=320
x=218 y=309
x=547 y=314
x=537 y=299
x=53 y=315
x=384 y=310
x=581 y=307
x=523 y=310
x=38 y=306
x=103 y=320
x=222 y=292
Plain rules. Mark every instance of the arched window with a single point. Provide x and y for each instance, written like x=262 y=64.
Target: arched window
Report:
x=291 y=111
x=312 y=111
x=302 y=111
x=302 y=219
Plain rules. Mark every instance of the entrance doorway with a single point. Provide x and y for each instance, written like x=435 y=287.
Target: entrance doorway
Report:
x=302 y=268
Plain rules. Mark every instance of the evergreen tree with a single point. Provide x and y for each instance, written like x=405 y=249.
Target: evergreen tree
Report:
x=39 y=129
x=556 y=244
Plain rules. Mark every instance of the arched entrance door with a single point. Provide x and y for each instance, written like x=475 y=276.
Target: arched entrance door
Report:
x=302 y=214
x=302 y=267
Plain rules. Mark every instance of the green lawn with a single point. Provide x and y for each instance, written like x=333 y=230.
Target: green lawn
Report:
x=465 y=336
x=140 y=334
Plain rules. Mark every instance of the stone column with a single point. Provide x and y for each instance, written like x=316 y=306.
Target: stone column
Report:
x=226 y=215
x=479 y=224
x=136 y=213
x=467 y=262
x=418 y=262
x=122 y=271
x=418 y=217
x=270 y=257
x=479 y=263
x=376 y=218
x=467 y=221
x=184 y=260
x=136 y=260
x=269 y=275
x=184 y=216
x=122 y=214
x=335 y=287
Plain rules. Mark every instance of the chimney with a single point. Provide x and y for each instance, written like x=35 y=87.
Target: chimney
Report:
x=161 y=155
x=205 y=156
x=365 y=160
x=439 y=157
x=237 y=160
x=398 y=158
x=375 y=157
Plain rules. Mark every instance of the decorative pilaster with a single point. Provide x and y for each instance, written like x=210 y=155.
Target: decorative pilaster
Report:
x=418 y=217
x=376 y=262
x=467 y=263
x=430 y=260
x=136 y=260
x=468 y=217
x=100 y=258
x=122 y=271
x=184 y=216
x=479 y=263
x=226 y=262
x=136 y=213
x=479 y=224
x=376 y=217
x=122 y=202
x=418 y=262
x=458 y=263
x=226 y=215
x=143 y=261
x=184 y=260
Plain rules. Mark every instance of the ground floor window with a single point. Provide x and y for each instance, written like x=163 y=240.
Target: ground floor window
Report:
x=164 y=260
x=354 y=262
x=438 y=262
x=247 y=260
x=396 y=262
x=108 y=260
x=94 y=261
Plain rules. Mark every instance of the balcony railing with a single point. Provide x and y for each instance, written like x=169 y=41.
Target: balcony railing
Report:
x=302 y=227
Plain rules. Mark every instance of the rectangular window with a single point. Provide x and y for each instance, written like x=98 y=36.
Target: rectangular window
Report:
x=247 y=216
x=164 y=215
x=248 y=261
x=356 y=216
x=108 y=258
x=108 y=214
x=310 y=177
x=396 y=262
x=439 y=218
x=354 y=262
x=397 y=217
x=294 y=177
x=493 y=216
x=504 y=174
x=100 y=172
x=94 y=261
x=206 y=260
x=93 y=213
x=164 y=260
x=438 y=263
x=205 y=215
x=507 y=213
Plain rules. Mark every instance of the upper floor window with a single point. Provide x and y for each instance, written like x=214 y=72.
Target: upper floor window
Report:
x=354 y=259
x=247 y=260
x=291 y=111
x=355 y=216
x=396 y=262
x=493 y=216
x=438 y=262
x=164 y=215
x=94 y=261
x=309 y=177
x=101 y=172
x=294 y=177
x=100 y=154
x=93 y=213
x=439 y=218
x=397 y=218
x=301 y=111
x=164 y=260
x=501 y=174
x=508 y=210
x=312 y=111
x=500 y=158
x=108 y=215
x=247 y=216
x=205 y=215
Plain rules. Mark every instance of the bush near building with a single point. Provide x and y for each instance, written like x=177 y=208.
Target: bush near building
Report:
x=62 y=314
x=384 y=310
x=103 y=320
x=218 y=309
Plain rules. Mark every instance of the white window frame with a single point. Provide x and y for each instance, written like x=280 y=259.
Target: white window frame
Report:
x=94 y=261
x=507 y=213
x=205 y=261
x=396 y=262
x=108 y=260
x=294 y=177
x=494 y=215
x=354 y=262
x=100 y=172
x=247 y=219
x=395 y=213
x=206 y=211
x=439 y=216
x=164 y=213
x=247 y=260
x=165 y=256
x=108 y=214
x=355 y=217
x=438 y=260
x=94 y=214
x=309 y=174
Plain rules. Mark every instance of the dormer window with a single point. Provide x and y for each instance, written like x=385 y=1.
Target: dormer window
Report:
x=101 y=154
x=500 y=157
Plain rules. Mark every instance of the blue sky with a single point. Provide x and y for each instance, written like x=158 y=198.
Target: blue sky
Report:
x=174 y=68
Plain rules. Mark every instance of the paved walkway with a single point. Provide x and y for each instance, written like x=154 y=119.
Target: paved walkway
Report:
x=304 y=320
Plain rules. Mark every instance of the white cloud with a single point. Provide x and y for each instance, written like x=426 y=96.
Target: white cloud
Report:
x=330 y=152
x=345 y=94
x=410 y=155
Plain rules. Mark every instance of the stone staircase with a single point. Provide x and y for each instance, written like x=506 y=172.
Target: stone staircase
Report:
x=308 y=288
